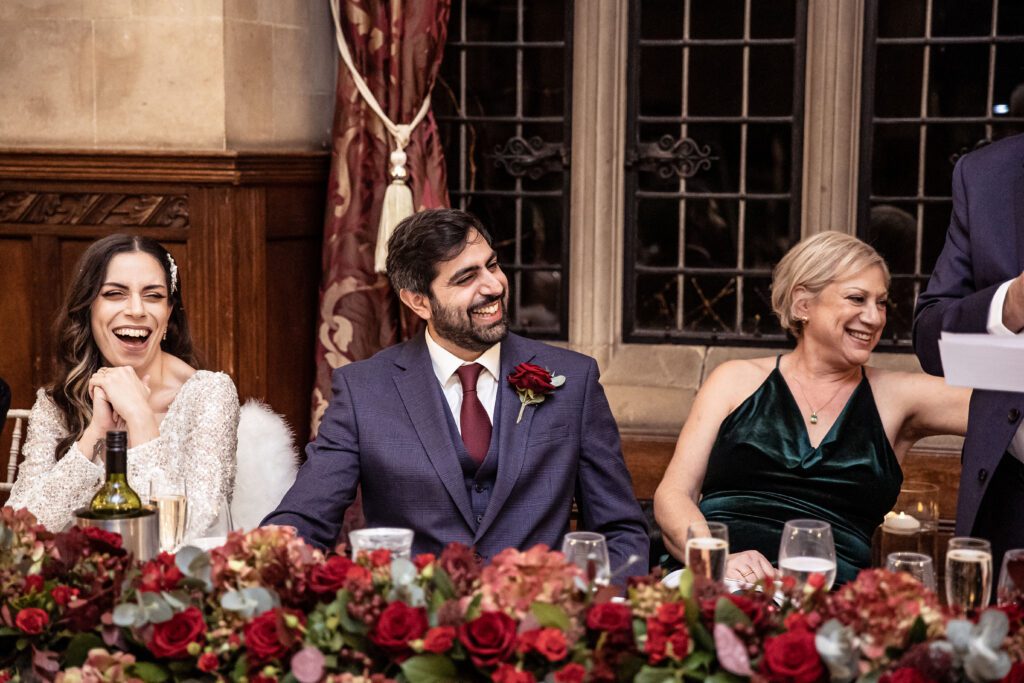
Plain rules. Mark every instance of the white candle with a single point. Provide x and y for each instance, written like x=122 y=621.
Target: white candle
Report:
x=901 y=523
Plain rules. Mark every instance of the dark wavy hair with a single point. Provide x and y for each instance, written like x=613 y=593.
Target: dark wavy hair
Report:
x=78 y=356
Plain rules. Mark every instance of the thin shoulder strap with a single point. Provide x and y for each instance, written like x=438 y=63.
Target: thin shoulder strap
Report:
x=777 y=359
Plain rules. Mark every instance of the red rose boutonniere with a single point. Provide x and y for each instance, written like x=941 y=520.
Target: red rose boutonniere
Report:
x=533 y=384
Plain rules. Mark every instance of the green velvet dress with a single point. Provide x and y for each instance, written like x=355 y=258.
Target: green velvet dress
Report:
x=763 y=471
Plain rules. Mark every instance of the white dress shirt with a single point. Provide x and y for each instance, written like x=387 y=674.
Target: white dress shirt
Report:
x=996 y=326
x=445 y=364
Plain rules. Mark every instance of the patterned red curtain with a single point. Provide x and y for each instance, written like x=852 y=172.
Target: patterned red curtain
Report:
x=397 y=47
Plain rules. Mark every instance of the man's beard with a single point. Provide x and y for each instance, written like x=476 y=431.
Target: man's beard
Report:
x=457 y=326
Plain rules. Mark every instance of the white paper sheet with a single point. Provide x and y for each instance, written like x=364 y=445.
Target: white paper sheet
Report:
x=983 y=361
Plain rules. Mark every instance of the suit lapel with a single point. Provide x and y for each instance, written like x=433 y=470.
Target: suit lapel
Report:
x=512 y=437
x=1018 y=214
x=417 y=385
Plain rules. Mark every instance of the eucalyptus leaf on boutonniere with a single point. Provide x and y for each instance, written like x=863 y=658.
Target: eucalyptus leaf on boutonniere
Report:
x=533 y=383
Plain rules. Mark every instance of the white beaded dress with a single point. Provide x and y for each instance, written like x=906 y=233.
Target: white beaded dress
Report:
x=197 y=442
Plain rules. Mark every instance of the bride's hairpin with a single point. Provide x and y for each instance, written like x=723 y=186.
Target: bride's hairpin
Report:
x=173 y=267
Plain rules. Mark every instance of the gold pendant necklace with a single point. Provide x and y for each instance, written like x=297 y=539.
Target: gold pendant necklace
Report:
x=814 y=412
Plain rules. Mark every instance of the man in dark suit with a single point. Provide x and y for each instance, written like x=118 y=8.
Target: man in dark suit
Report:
x=978 y=286
x=439 y=438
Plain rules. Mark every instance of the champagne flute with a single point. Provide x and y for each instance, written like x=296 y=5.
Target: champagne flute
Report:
x=588 y=551
x=1011 y=577
x=968 y=573
x=170 y=498
x=707 y=549
x=918 y=565
x=807 y=549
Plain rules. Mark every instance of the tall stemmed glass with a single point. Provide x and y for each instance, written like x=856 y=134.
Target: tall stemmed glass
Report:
x=170 y=498
x=707 y=549
x=1011 y=577
x=968 y=573
x=588 y=550
x=807 y=548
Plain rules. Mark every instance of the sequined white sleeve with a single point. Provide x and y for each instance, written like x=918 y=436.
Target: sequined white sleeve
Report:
x=197 y=443
x=52 y=489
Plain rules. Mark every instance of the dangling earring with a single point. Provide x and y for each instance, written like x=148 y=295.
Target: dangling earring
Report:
x=803 y=321
x=165 y=335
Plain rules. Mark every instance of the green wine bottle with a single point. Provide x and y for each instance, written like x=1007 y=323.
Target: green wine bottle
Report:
x=116 y=498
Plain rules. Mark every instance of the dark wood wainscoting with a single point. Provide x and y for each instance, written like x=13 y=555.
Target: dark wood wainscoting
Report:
x=245 y=229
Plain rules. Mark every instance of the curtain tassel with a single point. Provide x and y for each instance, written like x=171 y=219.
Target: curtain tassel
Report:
x=397 y=207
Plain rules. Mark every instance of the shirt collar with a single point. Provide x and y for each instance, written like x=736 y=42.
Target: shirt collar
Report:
x=446 y=363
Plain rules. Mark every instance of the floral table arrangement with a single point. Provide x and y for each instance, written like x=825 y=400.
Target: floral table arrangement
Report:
x=267 y=607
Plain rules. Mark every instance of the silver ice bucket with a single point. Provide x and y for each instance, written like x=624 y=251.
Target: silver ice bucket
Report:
x=140 y=531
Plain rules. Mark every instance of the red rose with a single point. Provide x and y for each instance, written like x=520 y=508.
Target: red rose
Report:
x=160 y=574
x=529 y=377
x=398 y=624
x=171 y=638
x=506 y=673
x=269 y=637
x=906 y=674
x=610 y=616
x=32 y=620
x=263 y=678
x=802 y=622
x=792 y=658
x=422 y=560
x=489 y=639
x=550 y=643
x=208 y=662
x=670 y=641
x=570 y=673
x=439 y=639
x=380 y=557
x=671 y=613
x=102 y=537
x=33 y=583
x=62 y=594
x=329 y=577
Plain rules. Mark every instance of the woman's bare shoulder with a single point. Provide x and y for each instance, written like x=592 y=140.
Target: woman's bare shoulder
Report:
x=740 y=377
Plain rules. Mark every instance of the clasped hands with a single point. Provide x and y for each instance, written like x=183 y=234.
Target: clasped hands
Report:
x=120 y=400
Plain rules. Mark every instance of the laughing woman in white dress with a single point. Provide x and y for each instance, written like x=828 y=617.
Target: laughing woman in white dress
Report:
x=125 y=361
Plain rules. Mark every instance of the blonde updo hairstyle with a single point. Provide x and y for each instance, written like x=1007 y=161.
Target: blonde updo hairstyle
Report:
x=813 y=264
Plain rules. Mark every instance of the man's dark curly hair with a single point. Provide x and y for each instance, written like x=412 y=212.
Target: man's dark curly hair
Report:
x=424 y=240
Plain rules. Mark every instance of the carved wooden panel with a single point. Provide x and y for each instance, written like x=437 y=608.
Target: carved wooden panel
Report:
x=116 y=210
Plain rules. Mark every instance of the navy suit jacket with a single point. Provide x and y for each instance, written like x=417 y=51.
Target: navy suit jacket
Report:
x=984 y=248
x=386 y=428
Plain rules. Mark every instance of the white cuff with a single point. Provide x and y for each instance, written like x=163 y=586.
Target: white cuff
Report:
x=995 y=313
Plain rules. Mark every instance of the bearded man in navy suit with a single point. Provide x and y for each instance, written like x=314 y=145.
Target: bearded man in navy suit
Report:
x=978 y=286
x=439 y=438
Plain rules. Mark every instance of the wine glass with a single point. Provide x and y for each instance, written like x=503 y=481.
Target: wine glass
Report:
x=222 y=524
x=918 y=565
x=707 y=549
x=1011 y=577
x=588 y=551
x=170 y=498
x=807 y=549
x=397 y=540
x=968 y=573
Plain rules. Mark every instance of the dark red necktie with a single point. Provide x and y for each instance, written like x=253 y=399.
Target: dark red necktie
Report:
x=476 y=426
